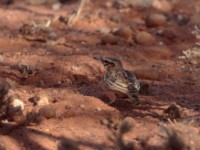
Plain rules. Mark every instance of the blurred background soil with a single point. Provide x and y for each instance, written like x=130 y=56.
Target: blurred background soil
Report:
x=148 y=36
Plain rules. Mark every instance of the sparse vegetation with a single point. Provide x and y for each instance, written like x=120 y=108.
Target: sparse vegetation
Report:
x=191 y=56
x=117 y=136
x=75 y=16
x=174 y=136
x=191 y=59
x=4 y=89
x=182 y=136
x=27 y=70
x=31 y=118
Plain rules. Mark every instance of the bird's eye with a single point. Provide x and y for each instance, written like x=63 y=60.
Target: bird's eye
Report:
x=106 y=62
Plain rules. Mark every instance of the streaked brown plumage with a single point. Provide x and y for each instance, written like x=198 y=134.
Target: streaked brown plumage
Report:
x=117 y=79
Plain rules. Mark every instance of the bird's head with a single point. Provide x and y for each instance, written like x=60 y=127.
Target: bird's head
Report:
x=111 y=63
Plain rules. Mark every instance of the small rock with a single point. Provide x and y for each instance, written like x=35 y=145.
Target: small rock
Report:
x=156 y=19
x=53 y=35
x=115 y=19
x=144 y=88
x=162 y=5
x=170 y=34
x=159 y=32
x=124 y=10
x=144 y=38
x=172 y=112
x=98 y=109
x=109 y=39
x=104 y=122
x=194 y=62
x=108 y=4
x=82 y=106
x=15 y=105
x=43 y=101
x=56 y=6
x=182 y=19
x=46 y=130
x=59 y=82
x=61 y=40
x=124 y=32
x=68 y=107
x=67 y=80
x=15 y=109
x=47 y=112
x=39 y=100
x=104 y=30
x=127 y=124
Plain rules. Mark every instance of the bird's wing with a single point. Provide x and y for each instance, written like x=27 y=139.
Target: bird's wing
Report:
x=129 y=76
x=133 y=83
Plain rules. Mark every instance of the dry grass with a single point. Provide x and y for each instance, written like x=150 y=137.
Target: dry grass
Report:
x=117 y=137
x=75 y=17
x=4 y=89
x=191 y=57
x=27 y=70
x=174 y=136
x=181 y=136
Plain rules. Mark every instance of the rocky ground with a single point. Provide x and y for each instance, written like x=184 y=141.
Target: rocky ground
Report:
x=49 y=63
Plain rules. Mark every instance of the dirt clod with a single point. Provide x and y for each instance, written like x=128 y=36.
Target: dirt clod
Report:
x=154 y=20
x=145 y=38
x=47 y=112
x=40 y=100
x=110 y=40
x=48 y=55
x=172 y=112
x=125 y=33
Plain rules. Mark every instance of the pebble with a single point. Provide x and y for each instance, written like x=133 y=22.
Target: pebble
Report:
x=145 y=38
x=182 y=19
x=115 y=19
x=15 y=106
x=124 y=32
x=156 y=19
x=47 y=112
x=56 y=6
x=104 y=122
x=68 y=107
x=82 y=106
x=39 y=100
x=15 y=109
x=104 y=30
x=98 y=109
x=127 y=124
x=108 y=4
x=162 y=5
x=172 y=112
x=109 y=39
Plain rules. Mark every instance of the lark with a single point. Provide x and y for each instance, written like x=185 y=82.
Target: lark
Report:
x=118 y=82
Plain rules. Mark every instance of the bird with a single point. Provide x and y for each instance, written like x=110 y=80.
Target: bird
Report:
x=119 y=81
